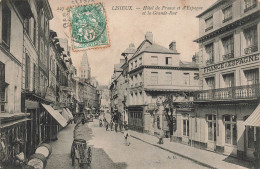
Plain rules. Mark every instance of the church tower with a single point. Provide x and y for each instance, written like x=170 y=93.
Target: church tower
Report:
x=85 y=70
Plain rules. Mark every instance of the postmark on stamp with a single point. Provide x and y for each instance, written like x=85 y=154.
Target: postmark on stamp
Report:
x=88 y=26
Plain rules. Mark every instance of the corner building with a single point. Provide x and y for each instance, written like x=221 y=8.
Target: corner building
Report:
x=229 y=74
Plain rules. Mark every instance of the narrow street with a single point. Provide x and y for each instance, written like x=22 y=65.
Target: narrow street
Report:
x=109 y=151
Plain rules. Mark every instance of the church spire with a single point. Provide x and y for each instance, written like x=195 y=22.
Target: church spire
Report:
x=85 y=70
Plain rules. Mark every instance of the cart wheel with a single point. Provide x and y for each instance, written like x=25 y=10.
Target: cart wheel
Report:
x=89 y=155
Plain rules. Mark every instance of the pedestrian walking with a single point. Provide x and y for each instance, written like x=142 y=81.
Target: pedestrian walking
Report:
x=126 y=135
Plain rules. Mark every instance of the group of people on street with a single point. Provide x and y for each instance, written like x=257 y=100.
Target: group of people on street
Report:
x=114 y=124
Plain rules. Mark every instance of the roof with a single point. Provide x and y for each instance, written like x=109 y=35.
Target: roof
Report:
x=129 y=51
x=155 y=48
x=117 y=67
x=189 y=64
x=254 y=118
x=211 y=7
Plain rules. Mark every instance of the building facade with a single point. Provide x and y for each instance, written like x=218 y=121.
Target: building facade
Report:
x=229 y=70
x=153 y=71
x=13 y=123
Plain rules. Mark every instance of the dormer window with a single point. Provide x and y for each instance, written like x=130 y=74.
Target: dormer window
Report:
x=209 y=23
x=227 y=12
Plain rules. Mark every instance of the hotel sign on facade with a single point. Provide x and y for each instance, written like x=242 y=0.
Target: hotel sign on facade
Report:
x=232 y=63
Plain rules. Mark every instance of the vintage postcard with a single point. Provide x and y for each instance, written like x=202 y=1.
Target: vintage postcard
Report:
x=129 y=84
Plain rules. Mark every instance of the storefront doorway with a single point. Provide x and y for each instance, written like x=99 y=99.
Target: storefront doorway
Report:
x=212 y=129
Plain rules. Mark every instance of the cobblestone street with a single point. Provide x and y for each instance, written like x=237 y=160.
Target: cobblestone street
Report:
x=110 y=152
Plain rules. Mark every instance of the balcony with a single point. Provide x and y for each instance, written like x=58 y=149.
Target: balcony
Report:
x=228 y=56
x=251 y=49
x=209 y=61
x=248 y=8
x=230 y=93
x=227 y=19
x=209 y=28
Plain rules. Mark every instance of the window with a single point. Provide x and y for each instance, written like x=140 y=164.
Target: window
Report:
x=27 y=25
x=185 y=127
x=210 y=53
x=34 y=32
x=132 y=66
x=250 y=4
x=251 y=40
x=6 y=25
x=154 y=60
x=140 y=61
x=210 y=82
x=34 y=76
x=196 y=76
x=168 y=78
x=227 y=12
x=229 y=80
x=42 y=51
x=3 y=88
x=250 y=137
x=211 y=120
x=27 y=72
x=186 y=78
x=135 y=63
x=168 y=61
x=209 y=23
x=154 y=78
x=252 y=76
x=230 y=129
x=228 y=46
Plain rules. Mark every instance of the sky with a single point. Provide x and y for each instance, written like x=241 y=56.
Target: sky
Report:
x=130 y=26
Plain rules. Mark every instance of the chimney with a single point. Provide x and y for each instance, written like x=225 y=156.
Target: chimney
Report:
x=149 y=36
x=172 y=46
x=122 y=60
x=131 y=46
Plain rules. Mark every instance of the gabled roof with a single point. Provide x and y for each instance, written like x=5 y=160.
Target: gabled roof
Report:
x=152 y=48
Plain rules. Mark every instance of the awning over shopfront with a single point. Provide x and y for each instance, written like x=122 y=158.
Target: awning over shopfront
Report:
x=254 y=118
x=56 y=115
x=70 y=114
x=65 y=114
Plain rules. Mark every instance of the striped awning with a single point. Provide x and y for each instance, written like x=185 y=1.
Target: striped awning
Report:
x=254 y=118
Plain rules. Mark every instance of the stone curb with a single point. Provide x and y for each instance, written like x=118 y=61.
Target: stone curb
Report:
x=176 y=153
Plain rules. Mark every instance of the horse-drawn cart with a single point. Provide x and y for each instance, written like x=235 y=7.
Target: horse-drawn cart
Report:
x=81 y=153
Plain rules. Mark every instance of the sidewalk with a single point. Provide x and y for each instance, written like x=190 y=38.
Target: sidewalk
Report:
x=203 y=157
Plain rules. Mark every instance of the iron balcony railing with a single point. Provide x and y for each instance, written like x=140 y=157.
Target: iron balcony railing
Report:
x=251 y=49
x=238 y=92
x=228 y=56
x=209 y=61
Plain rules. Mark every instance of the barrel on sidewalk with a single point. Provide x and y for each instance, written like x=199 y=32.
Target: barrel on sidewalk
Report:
x=39 y=159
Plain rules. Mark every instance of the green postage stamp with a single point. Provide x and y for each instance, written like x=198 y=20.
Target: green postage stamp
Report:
x=88 y=26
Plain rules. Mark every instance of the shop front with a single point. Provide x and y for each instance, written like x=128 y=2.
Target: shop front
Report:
x=135 y=118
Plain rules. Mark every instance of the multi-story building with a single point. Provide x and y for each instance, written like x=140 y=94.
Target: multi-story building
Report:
x=153 y=73
x=116 y=88
x=13 y=123
x=229 y=71
x=104 y=98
